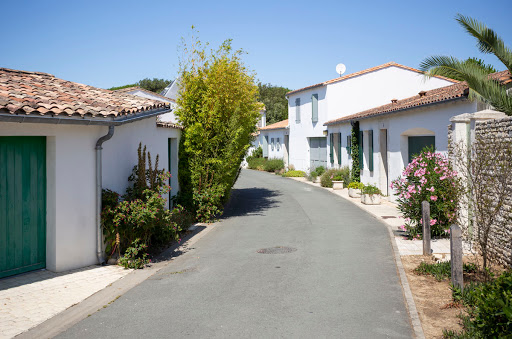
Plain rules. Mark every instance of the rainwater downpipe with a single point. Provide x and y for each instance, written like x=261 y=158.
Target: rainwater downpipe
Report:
x=99 y=187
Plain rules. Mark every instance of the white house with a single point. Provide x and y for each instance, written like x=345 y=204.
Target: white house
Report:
x=60 y=144
x=143 y=93
x=274 y=140
x=310 y=107
x=391 y=134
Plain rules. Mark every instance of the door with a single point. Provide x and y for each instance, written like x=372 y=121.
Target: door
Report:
x=417 y=144
x=265 y=146
x=22 y=204
x=317 y=152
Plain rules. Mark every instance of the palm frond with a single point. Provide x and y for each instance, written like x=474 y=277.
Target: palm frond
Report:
x=487 y=39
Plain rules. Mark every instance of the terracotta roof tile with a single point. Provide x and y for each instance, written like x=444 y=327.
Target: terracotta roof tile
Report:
x=277 y=125
x=459 y=90
x=167 y=124
x=137 y=88
x=368 y=70
x=23 y=92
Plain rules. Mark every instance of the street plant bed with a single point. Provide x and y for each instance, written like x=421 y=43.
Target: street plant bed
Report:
x=430 y=286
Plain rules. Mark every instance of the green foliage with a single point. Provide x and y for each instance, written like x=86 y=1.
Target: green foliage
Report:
x=356 y=171
x=258 y=152
x=143 y=176
x=442 y=270
x=489 y=309
x=218 y=108
x=473 y=71
x=135 y=256
x=295 y=174
x=370 y=189
x=207 y=202
x=429 y=177
x=273 y=165
x=356 y=185
x=273 y=97
x=320 y=170
x=153 y=85
x=256 y=163
x=334 y=174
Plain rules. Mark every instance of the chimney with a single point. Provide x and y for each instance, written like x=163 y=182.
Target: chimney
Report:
x=394 y=101
x=422 y=93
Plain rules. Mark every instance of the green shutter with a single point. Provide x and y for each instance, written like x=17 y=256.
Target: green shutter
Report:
x=370 y=150
x=339 y=148
x=417 y=144
x=297 y=110
x=349 y=144
x=361 y=150
x=331 y=147
x=314 y=108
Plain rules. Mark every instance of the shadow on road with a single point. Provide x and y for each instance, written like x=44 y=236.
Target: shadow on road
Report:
x=250 y=201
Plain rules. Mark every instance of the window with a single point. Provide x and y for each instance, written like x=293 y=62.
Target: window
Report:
x=297 y=110
x=370 y=150
x=331 y=148
x=339 y=148
x=314 y=108
x=349 y=144
x=418 y=143
x=272 y=144
x=361 y=150
x=278 y=145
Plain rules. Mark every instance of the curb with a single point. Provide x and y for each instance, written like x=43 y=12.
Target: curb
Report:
x=101 y=299
x=406 y=290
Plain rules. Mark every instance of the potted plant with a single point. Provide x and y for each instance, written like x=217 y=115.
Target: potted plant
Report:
x=370 y=195
x=354 y=189
x=337 y=182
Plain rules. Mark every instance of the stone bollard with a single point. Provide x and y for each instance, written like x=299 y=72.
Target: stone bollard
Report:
x=456 y=256
x=425 y=208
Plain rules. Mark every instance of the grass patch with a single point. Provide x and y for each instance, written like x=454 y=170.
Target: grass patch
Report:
x=442 y=270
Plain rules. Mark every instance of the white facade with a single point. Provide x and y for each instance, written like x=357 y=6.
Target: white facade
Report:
x=167 y=117
x=350 y=95
x=71 y=179
x=390 y=138
x=276 y=146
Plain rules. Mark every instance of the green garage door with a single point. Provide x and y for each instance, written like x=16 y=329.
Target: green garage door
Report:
x=417 y=144
x=22 y=204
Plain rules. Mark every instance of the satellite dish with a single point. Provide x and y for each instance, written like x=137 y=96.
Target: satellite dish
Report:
x=340 y=69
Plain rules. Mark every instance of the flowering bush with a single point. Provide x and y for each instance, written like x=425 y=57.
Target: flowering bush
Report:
x=208 y=202
x=429 y=177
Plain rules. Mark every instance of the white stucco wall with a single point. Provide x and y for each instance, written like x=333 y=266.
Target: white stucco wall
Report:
x=430 y=120
x=71 y=180
x=278 y=151
x=347 y=97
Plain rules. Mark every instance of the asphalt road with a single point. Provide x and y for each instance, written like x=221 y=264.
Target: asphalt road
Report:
x=340 y=280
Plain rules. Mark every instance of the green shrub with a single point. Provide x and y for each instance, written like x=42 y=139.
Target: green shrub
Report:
x=356 y=185
x=334 y=174
x=208 y=202
x=441 y=270
x=370 y=189
x=135 y=256
x=295 y=174
x=256 y=163
x=257 y=153
x=320 y=170
x=273 y=165
x=489 y=309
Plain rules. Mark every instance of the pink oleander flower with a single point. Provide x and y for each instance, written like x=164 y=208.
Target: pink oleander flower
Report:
x=433 y=197
x=433 y=222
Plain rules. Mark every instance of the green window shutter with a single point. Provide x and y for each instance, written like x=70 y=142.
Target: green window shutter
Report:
x=339 y=148
x=331 y=147
x=297 y=110
x=361 y=150
x=314 y=108
x=349 y=144
x=370 y=150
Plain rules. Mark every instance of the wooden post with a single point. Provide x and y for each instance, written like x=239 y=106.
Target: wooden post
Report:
x=425 y=208
x=456 y=256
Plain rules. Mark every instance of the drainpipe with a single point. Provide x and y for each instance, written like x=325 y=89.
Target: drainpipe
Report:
x=99 y=186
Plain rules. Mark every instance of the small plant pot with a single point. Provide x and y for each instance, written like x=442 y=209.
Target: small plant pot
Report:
x=354 y=193
x=316 y=179
x=337 y=185
x=370 y=199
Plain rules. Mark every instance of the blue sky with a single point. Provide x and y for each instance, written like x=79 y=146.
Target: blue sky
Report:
x=289 y=43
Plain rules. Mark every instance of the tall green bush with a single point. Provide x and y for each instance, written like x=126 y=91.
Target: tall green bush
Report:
x=218 y=109
x=356 y=171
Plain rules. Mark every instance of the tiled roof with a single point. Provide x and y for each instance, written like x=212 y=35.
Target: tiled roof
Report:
x=35 y=93
x=460 y=90
x=166 y=124
x=277 y=125
x=368 y=70
x=137 y=88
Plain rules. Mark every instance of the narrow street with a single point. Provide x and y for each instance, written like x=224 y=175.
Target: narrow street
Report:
x=334 y=275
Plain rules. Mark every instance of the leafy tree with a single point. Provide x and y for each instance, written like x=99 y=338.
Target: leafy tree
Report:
x=355 y=174
x=473 y=71
x=218 y=108
x=154 y=85
x=275 y=102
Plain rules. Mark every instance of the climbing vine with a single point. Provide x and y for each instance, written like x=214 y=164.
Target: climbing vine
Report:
x=356 y=171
